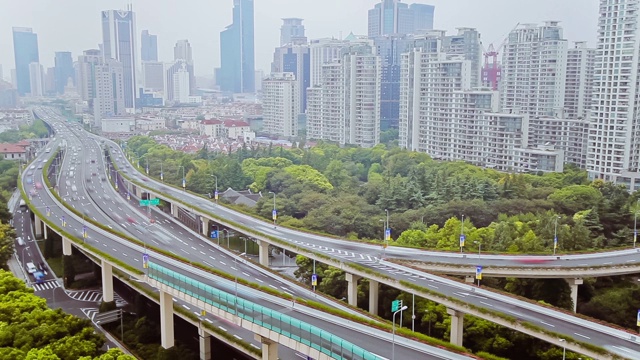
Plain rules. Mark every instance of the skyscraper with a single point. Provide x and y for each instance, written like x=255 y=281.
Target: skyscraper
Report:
x=391 y=17
x=36 y=79
x=182 y=51
x=109 y=89
x=291 y=29
x=237 y=61
x=118 y=41
x=63 y=70
x=579 y=80
x=85 y=74
x=614 y=133
x=153 y=75
x=148 y=46
x=25 y=50
x=294 y=58
x=534 y=61
x=280 y=104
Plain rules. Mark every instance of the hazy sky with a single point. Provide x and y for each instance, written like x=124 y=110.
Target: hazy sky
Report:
x=74 y=25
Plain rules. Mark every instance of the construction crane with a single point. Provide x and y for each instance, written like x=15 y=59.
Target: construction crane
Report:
x=491 y=67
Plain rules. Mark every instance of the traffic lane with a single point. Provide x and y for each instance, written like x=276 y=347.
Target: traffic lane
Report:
x=366 y=249
x=543 y=320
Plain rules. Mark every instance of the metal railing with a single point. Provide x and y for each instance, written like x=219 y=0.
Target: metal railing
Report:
x=300 y=331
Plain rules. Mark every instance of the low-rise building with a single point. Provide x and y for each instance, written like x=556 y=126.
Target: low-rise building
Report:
x=118 y=125
x=13 y=151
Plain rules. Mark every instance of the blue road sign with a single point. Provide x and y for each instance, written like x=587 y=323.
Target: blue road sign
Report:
x=462 y=239
x=274 y=214
x=214 y=234
x=314 y=280
x=387 y=234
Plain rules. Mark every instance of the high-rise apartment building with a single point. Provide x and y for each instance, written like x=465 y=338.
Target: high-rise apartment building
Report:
x=280 y=104
x=118 y=41
x=36 y=79
x=614 y=133
x=25 y=51
x=181 y=85
x=443 y=115
x=534 y=62
x=50 y=81
x=292 y=30
x=148 y=46
x=109 y=88
x=85 y=74
x=153 y=75
x=237 y=60
x=182 y=51
x=321 y=52
x=579 y=81
x=467 y=44
x=63 y=70
x=171 y=87
x=345 y=106
x=295 y=58
x=391 y=17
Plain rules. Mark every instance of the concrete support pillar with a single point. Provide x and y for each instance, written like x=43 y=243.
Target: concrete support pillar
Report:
x=373 y=297
x=66 y=246
x=174 y=210
x=457 y=322
x=352 y=289
x=38 y=226
x=573 y=284
x=138 y=192
x=46 y=232
x=269 y=348
x=263 y=252
x=107 y=282
x=166 y=320
x=205 y=226
x=205 y=344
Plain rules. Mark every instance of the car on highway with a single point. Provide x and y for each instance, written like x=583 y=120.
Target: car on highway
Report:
x=31 y=268
x=38 y=185
x=131 y=220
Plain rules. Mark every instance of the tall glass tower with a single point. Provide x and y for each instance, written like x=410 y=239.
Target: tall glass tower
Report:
x=118 y=40
x=237 y=61
x=63 y=70
x=25 y=50
x=149 y=46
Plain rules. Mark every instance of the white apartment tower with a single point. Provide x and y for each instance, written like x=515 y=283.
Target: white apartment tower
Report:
x=280 y=104
x=345 y=106
x=181 y=85
x=614 y=131
x=579 y=81
x=321 y=52
x=534 y=61
x=85 y=73
x=36 y=78
x=109 y=90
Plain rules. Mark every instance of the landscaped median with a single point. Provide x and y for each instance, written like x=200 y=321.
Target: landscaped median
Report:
x=312 y=304
x=497 y=317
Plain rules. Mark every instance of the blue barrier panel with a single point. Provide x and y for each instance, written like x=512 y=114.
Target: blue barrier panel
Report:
x=310 y=335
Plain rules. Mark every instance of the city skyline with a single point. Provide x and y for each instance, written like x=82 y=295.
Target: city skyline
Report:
x=578 y=18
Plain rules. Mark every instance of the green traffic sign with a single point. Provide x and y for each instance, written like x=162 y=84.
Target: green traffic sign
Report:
x=155 y=201
x=395 y=305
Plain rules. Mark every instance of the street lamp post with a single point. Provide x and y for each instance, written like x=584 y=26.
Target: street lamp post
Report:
x=161 y=171
x=274 y=214
x=184 y=181
x=215 y=193
x=635 y=223
x=564 y=348
x=555 y=235
x=393 y=338
x=462 y=238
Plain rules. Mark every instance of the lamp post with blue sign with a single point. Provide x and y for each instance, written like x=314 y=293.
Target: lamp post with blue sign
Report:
x=215 y=192
x=478 y=274
x=274 y=213
x=555 y=235
x=463 y=238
